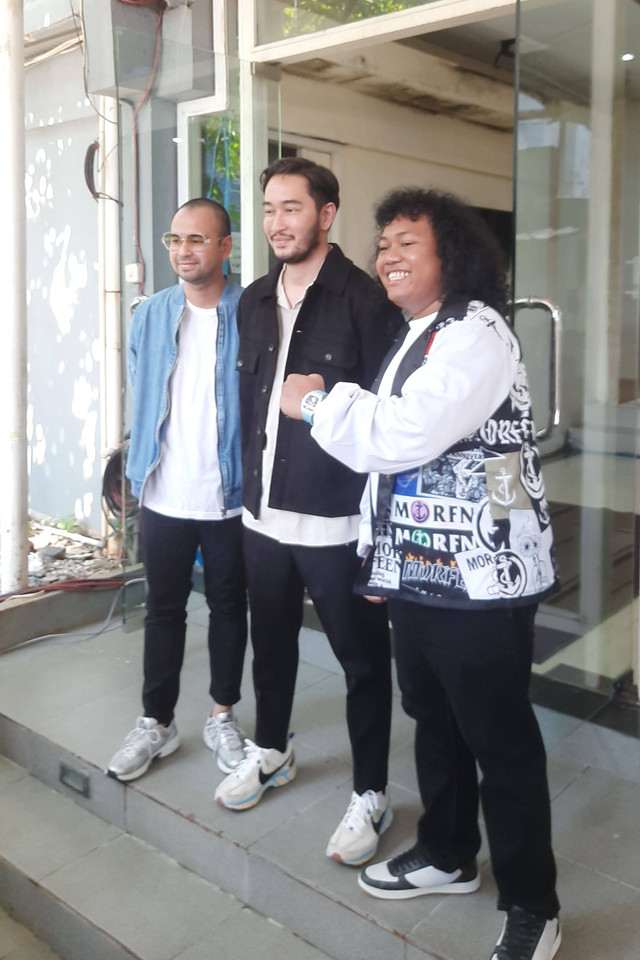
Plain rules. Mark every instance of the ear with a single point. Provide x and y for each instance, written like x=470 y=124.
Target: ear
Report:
x=226 y=245
x=327 y=216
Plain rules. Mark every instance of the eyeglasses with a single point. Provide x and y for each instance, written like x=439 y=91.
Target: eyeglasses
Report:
x=173 y=240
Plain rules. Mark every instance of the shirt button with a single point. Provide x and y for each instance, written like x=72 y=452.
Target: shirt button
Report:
x=271 y=347
x=264 y=388
x=239 y=363
x=255 y=473
x=259 y=431
x=328 y=357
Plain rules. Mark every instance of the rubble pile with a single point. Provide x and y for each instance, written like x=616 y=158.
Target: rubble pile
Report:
x=55 y=556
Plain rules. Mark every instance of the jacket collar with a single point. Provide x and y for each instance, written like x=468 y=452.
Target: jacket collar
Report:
x=231 y=292
x=333 y=274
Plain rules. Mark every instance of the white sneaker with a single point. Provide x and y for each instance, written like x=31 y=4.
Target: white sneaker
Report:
x=262 y=768
x=356 y=839
x=225 y=737
x=147 y=740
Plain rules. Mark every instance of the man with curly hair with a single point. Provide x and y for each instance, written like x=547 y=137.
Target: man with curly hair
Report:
x=456 y=536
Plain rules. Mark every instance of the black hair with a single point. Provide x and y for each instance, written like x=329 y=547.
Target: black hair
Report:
x=206 y=203
x=472 y=261
x=321 y=182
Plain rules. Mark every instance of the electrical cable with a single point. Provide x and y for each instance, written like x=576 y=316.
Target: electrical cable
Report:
x=82 y=636
x=81 y=33
x=80 y=585
x=112 y=493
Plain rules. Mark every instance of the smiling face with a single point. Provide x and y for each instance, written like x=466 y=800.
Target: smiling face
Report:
x=199 y=265
x=294 y=226
x=408 y=265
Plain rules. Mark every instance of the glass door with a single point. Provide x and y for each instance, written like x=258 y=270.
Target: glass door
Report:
x=577 y=229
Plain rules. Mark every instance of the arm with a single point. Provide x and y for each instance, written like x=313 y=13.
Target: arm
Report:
x=295 y=387
x=469 y=373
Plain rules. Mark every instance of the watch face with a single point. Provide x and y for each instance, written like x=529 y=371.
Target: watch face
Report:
x=309 y=403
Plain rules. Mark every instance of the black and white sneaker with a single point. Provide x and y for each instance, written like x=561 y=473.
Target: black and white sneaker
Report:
x=526 y=936
x=410 y=874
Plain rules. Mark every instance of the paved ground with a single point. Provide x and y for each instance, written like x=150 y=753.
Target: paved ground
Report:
x=78 y=696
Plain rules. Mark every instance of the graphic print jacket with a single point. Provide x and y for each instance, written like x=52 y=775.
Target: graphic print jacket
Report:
x=468 y=525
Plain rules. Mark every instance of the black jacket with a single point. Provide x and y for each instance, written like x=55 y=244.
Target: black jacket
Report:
x=344 y=328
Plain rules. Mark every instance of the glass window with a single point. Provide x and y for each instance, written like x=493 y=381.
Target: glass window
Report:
x=281 y=19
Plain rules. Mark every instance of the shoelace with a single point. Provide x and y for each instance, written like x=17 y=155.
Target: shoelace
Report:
x=231 y=734
x=254 y=755
x=412 y=859
x=139 y=736
x=521 y=935
x=360 y=809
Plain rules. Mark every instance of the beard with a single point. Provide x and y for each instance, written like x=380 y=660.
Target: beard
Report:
x=309 y=242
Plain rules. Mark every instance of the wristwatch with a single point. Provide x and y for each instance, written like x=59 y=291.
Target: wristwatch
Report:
x=309 y=403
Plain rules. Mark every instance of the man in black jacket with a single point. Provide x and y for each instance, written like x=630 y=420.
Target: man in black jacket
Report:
x=315 y=311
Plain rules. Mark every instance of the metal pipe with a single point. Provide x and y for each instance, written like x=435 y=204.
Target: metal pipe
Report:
x=13 y=379
x=110 y=291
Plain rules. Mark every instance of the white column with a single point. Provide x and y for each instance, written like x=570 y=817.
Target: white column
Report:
x=13 y=363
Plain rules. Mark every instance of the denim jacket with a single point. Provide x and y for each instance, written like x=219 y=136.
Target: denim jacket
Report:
x=152 y=355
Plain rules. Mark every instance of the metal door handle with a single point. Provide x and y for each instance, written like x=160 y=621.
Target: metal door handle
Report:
x=537 y=303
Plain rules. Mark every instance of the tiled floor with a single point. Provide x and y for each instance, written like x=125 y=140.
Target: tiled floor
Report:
x=82 y=695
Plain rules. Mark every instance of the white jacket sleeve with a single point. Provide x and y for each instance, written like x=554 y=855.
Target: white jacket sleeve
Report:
x=469 y=372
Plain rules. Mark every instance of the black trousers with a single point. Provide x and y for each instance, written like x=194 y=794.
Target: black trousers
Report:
x=169 y=547
x=358 y=632
x=464 y=678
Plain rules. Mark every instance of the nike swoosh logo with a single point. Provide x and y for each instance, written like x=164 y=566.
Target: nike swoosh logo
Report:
x=263 y=777
x=377 y=824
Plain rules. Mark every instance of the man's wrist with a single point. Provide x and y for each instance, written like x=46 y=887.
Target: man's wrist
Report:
x=309 y=404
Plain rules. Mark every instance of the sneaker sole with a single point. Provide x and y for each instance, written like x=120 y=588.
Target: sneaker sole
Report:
x=385 y=823
x=470 y=886
x=166 y=751
x=279 y=779
x=556 y=944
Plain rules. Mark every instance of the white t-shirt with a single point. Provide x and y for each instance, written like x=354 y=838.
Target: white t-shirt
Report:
x=300 y=529
x=186 y=481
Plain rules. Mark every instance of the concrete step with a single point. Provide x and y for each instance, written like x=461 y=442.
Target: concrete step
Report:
x=65 y=705
x=93 y=892
x=18 y=943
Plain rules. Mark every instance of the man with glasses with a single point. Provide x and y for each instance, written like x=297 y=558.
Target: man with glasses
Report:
x=184 y=466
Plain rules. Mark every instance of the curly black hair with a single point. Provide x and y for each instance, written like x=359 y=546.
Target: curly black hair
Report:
x=472 y=261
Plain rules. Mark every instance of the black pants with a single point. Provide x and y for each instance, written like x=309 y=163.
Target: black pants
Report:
x=464 y=677
x=358 y=632
x=169 y=547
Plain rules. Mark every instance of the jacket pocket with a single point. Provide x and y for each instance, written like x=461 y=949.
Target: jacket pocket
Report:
x=335 y=354
x=247 y=361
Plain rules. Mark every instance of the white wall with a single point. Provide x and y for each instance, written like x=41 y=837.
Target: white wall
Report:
x=63 y=414
x=385 y=145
